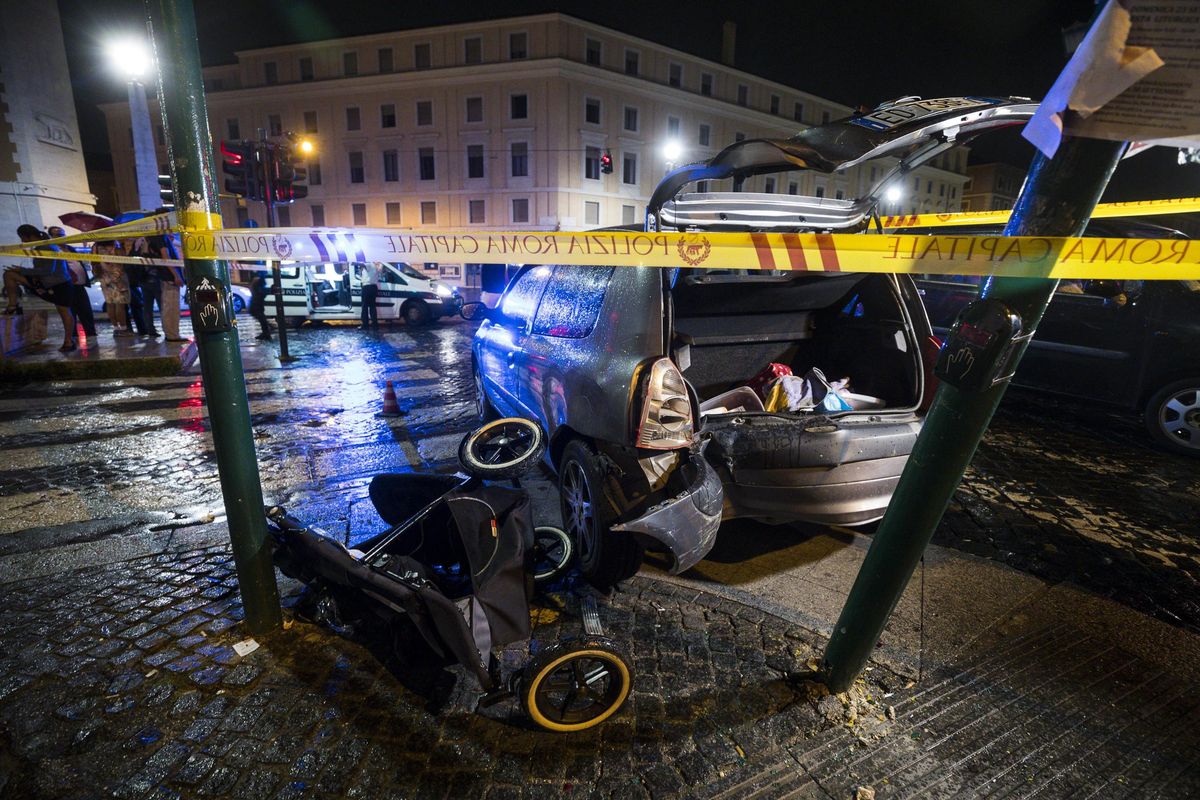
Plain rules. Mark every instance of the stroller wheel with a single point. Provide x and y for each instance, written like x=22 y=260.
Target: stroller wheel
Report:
x=575 y=685
x=553 y=552
x=502 y=449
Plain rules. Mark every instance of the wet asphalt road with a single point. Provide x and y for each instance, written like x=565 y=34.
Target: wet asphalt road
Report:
x=1057 y=490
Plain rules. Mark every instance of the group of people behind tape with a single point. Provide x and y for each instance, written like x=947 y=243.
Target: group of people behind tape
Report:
x=130 y=290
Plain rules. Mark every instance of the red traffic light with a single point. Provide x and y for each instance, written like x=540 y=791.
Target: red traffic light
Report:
x=606 y=162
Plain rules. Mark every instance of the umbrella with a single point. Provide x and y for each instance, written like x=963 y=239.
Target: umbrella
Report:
x=130 y=216
x=85 y=220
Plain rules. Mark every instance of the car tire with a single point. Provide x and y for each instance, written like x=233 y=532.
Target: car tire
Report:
x=1172 y=417
x=416 y=313
x=239 y=305
x=483 y=406
x=505 y=448
x=605 y=557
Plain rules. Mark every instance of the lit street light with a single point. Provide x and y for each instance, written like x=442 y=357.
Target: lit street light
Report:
x=672 y=150
x=893 y=195
x=131 y=59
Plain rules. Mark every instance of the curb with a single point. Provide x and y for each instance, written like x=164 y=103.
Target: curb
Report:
x=13 y=370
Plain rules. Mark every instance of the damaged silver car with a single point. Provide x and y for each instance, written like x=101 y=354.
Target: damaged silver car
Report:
x=678 y=398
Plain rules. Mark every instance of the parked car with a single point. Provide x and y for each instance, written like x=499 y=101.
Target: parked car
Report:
x=1129 y=344
x=622 y=366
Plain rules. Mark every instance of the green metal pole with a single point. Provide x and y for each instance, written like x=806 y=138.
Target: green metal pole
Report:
x=185 y=118
x=1057 y=200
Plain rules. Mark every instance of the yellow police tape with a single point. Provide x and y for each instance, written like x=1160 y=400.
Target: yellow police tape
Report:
x=1137 y=208
x=944 y=254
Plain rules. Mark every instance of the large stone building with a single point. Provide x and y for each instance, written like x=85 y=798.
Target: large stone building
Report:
x=992 y=187
x=503 y=124
x=42 y=172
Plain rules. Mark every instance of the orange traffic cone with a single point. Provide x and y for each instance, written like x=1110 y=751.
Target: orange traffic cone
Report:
x=390 y=407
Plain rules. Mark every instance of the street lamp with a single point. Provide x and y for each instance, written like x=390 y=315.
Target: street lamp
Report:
x=893 y=195
x=130 y=58
x=672 y=150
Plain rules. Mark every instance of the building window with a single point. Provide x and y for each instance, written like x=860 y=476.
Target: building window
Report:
x=421 y=59
x=775 y=104
x=474 y=109
x=591 y=212
x=475 y=212
x=232 y=128
x=591 y=111
x=518 y=46
x=387 y=115
x=706 y=84
x=824 y=117
x=392 y=212
x=519 y=106
x=310 y=122
x=820 y=191
x=318 y=215
x=627 y=215
x=739 y=136
x=270 y=73
x=473 y=50
x=429 y=212
x=591 y=163
x=769 y=186
x=929 y=187
x=520 y=209
x=701 y=187
x=353 y=121
x=839 y=194
x=426 y=163
x=631 y=118
x=391 y=166
x=314 y=173
x=387 y=61
x=632 y=62
x=593 y=51
x=274 y=125
x=941 y=190
x=306 y=68
x=349 y=64
x=283 y=216
x=793 y=187
x=474 y=161
x=520 y=160
x=675 y=75
x=672 y=126
x=358 y=212
x=705 y=137
x=629 y=169
x=424 y=112
x=953 y=192
x=798 y=112
x=743 y=94
x=357 y=174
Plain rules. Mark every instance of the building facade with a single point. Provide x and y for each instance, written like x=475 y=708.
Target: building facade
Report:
x=42 y=171
x=992 y=187
x=503 y=124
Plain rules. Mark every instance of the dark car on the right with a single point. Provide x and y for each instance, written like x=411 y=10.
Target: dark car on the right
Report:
x=1133 y=344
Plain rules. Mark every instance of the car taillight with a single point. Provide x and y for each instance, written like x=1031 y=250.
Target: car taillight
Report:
x=666 y=411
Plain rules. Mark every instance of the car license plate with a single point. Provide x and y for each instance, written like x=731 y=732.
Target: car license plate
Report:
x=885 y=119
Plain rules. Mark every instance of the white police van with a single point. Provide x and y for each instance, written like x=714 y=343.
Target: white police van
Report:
x=334 y=292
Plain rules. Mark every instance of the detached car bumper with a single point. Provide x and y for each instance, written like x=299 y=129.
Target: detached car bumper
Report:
x=686 y=524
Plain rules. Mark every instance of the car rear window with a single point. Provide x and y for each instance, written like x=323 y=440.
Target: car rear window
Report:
x=572 y=301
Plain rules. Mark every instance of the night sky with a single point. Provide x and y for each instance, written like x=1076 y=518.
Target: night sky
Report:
x=854 y=53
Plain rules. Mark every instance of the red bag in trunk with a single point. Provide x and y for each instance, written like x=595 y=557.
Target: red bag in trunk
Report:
x=759 y=382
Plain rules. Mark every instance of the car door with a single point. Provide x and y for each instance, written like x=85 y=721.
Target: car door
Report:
x=500 y=341
x=1088 y=346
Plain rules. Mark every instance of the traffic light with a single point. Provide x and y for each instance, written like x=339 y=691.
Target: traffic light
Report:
x=606 y=162
x=288 y=175
x=166 y=195
x=241 y=169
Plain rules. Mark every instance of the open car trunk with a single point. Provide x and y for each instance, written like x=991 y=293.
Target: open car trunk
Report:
x=818 y=466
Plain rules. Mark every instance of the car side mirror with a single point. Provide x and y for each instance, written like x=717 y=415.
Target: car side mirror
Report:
x=475 y=312
x=1101 y=288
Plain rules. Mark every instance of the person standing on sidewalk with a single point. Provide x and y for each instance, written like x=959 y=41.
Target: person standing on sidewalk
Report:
x=81 y=304
x=115 y=286
x=170 y=279
x=370 y=291
x=136 y=275
x=258 y=304
x=150 y=284
x=50 y=279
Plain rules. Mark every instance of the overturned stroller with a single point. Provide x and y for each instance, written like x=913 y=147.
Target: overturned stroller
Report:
x=460 y=561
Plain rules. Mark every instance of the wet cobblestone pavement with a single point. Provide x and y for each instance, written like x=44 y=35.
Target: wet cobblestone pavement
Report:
x=119 y=680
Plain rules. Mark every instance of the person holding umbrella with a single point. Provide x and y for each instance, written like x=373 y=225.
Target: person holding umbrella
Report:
x=49 y=279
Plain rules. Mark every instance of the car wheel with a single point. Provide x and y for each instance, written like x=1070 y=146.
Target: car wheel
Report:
x=416 y=312
x=239 y=305
x=1172 y=417
x=605 y=557
x=505 y=448
x=483 y=406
